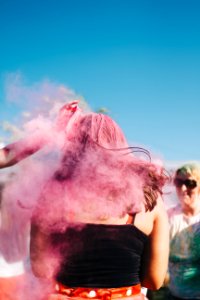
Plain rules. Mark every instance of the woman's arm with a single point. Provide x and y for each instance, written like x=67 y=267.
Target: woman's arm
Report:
x=5 y=158
x=9 y=156
x=38 y=245
x=15 y=152
x=155 y=259
x=44 y=259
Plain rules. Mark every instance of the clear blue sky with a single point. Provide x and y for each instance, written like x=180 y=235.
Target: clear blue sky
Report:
x=140 y=59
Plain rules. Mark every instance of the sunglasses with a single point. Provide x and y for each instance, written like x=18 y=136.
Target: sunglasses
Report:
x=189 y=183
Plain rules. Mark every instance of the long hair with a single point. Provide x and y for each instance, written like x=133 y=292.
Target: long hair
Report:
x=96 y=151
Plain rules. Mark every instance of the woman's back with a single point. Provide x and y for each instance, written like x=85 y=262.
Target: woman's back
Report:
x=99 y=255
x=126 y=254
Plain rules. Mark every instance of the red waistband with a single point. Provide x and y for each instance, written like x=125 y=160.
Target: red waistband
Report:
x=98 y=293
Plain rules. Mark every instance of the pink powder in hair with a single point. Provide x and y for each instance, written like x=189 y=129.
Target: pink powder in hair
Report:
x=83 y=170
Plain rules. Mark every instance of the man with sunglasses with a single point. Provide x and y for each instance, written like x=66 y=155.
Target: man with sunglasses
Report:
x=184 y=260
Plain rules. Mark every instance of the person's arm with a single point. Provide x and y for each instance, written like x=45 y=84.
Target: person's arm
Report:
x=38 y=244
x=9 y=157
x=156 y=254
x=15 y=152
x=44 y=261
x=6 y=158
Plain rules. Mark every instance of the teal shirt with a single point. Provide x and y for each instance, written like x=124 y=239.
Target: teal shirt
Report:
x=184 y=260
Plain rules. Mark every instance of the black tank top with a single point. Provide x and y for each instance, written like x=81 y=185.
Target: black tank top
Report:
x=99 y=255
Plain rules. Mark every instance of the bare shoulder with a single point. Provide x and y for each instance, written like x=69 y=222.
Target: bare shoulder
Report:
x=160 y=209
x=146 y=220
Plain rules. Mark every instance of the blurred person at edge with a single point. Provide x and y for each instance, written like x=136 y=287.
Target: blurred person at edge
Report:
x=14 y=250
x=103 y=256
x=184 y=218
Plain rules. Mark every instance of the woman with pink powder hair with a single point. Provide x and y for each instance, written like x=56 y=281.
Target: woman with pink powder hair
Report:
x=99 y=228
